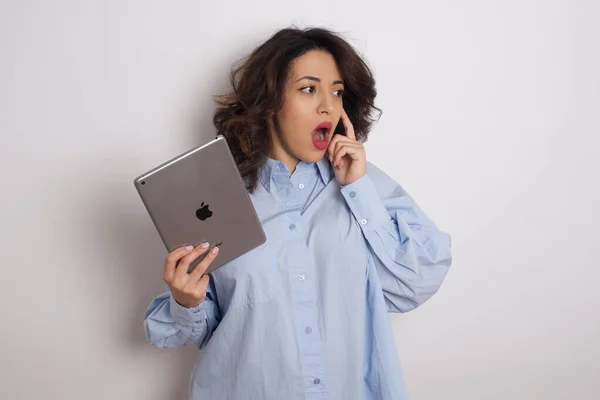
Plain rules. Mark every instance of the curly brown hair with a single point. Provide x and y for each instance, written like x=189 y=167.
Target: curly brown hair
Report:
x=258 y=86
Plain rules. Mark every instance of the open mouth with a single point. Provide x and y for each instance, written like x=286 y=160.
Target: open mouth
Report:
x=322 y=132
x=323 y=129
x=321 y=135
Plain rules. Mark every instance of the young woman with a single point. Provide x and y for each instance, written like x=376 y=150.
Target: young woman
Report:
x=304 y=316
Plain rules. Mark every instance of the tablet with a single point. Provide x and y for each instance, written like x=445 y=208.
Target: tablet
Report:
x=200 y=196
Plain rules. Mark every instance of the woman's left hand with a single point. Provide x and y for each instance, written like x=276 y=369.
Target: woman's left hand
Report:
x=347 y=155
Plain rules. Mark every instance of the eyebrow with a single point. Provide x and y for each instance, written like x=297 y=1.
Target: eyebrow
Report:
x=314 y=78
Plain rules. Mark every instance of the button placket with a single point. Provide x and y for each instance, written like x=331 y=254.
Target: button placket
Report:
x=300 y=268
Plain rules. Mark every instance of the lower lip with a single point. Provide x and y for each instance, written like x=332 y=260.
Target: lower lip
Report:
x=318 y=143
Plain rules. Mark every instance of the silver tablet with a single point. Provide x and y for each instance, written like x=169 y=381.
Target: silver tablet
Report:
x=200 y=196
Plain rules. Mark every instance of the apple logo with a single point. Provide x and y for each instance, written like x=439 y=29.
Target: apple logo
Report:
x=203 y=212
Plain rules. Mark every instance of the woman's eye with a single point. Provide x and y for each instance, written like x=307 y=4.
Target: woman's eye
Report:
x=311 y=88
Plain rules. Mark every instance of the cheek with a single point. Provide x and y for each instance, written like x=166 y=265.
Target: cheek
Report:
x=292 y=108
x=287 y=113
x=294 y=116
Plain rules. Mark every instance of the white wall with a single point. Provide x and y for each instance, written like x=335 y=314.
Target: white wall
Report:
x=491 y=121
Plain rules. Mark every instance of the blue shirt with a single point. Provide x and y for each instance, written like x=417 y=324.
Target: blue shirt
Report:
x=304 y=316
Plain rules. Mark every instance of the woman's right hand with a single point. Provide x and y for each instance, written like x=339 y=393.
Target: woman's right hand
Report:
x=188 y=289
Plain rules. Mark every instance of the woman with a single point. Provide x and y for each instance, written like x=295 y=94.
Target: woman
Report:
x=304 y=316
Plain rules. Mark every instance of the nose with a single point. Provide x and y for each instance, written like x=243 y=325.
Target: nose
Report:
x=325 y=105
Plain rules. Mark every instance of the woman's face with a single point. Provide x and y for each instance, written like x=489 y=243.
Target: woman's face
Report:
x=312 y=99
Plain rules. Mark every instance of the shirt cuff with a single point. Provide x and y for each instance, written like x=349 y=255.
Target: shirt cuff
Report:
x=187 y=316
x=366 y=205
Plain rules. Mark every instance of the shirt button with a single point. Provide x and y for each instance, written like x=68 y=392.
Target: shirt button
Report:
x=308 y=330
x=353 y=194
x=301 y=186
x=317 y=381
x=363 y=221
x=302 y=277
x=292 y=227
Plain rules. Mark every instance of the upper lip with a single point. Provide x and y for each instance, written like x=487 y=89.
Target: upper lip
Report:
x=324 y=125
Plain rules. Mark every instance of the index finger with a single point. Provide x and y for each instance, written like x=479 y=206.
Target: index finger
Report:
x=348 y=125
x=204 y=264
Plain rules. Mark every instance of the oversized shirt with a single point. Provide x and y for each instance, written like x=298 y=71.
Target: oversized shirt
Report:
x=305 y=315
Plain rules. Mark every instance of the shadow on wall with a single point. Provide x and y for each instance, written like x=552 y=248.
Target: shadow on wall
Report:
x=136 y=243
x=143 y=253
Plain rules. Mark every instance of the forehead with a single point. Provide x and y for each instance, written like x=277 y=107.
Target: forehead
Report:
x=315 y=63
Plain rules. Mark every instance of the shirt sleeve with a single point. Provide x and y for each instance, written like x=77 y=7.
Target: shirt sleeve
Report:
x=168 y=324
x=411 y=255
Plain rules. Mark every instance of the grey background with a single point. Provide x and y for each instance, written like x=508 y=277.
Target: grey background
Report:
x=491 y=122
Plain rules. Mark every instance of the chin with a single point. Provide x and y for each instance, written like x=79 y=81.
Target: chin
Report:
x=313 y=156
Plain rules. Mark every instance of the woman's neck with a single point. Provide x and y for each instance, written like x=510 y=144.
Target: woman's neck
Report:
x=279 y=153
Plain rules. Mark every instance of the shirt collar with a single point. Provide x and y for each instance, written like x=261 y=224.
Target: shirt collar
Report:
x=271 y=167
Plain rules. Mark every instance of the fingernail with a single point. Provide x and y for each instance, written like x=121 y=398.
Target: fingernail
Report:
x=189 y=247
x=215 y=250
x=204 y=245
